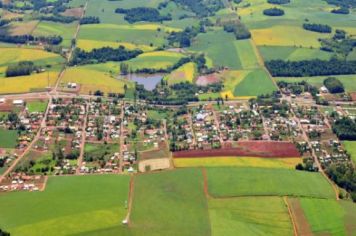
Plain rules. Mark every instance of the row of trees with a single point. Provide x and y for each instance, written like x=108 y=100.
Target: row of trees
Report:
x=22 y=39
x=202 y=8
x=58 y=18
x=102 y=55
x=89 y=20
x=273 y=12
x=320 y=28
x=314 y=67
x=142 y=14
x=345 y=128
x=341 y=10
x=278 y=2
x=21 y=68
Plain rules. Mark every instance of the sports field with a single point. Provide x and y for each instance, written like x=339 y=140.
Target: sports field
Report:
x=37 y=106
x=266 y=181
x=70 y=205
x=249 y=216
x=285 y=163
x=170 y=202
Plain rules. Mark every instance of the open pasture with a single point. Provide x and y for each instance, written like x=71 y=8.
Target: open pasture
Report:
x=91 y=80
x=66 y=31
x=165 y=201
x=70 y=205
x=245 y=181
x=8 y=138
x=36 y=106
x=351 y=149
x=249 y=216
x=285 y=163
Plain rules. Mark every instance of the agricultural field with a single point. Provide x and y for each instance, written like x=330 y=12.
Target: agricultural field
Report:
x=249 y=216
x=266 y=181
x=292 y=53
x=285 y=163
x=323 y=216
x=171 y=199
x=91 y=80
x=187 y=72
x=75 y=207
x=89 y=45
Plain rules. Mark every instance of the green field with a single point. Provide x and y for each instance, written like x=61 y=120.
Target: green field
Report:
x=72 y=205
x=220 y=47
x=37 y=106
x=255 y=83
x=247 y=55
x=349 y=81
x=8 y=138
x=292 y=53
x=329 y=217
x=169 y=203
x=249 y=216
x=245 y=181
x=351 y=149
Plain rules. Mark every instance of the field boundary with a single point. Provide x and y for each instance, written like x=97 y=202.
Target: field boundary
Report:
x=130 y=199
x=285 y=199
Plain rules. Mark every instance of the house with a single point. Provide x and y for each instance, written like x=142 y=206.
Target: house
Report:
x=18 y=102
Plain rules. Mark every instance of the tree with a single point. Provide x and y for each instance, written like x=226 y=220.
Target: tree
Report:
x=334 y=85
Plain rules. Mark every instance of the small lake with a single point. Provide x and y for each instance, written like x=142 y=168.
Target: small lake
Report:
x=149 y=81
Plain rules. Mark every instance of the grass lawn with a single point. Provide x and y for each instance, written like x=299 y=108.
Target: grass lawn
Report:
x=170 y=202
x=286 y=163
x=351 y=149
x=37 y=106
x=256 y=83
x=8 y=138
x=245 y=181
x=249 y=216
x=329 y=217
x=70 y=205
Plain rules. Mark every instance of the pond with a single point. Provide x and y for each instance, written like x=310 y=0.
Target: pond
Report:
x=149 y=81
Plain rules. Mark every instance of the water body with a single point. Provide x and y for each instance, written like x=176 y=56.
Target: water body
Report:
x=149 y=81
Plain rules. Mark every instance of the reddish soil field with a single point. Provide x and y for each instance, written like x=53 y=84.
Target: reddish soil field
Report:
x=299 y=218
x=76 y=12
x=205 y=80
x=246 y=148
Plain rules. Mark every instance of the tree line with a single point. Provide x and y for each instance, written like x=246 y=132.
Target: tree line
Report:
x=315 y=67
x=22 y=39
x=273 y=12
x=101 y=55
x=320 y=28
x=89 y=20
x=202 y=8
x=238 y=29
x=142 y=14
x=21 y=68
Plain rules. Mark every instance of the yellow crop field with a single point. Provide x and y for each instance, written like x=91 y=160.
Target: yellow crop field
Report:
x=92 y=80
x=136 y=27
x=155 y=60
x=286 y=163
x=187 y=72
x=231 y=79
x=287 y=36
x=161 y=54
x=88 y=45
x=12 y=55
x=23 y=84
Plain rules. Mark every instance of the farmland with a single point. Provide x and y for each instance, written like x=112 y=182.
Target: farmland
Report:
x=8 y=138
x=275 y=182
x=72 y=203
x=351 y=149
x=288 y=163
